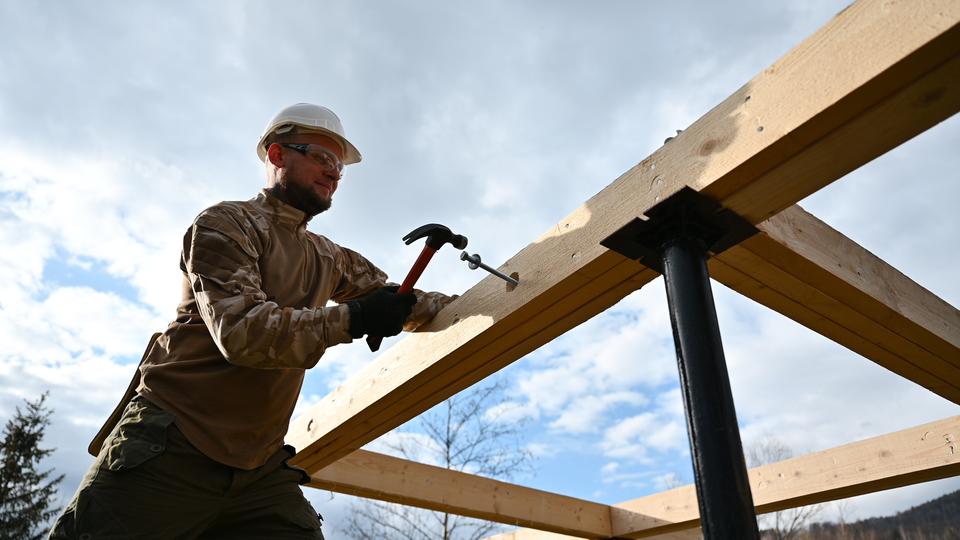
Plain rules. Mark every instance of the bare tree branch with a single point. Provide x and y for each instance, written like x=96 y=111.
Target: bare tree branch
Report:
x=786 y=524
x=460 y=435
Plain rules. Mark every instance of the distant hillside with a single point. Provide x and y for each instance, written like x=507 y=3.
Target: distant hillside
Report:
x=938 y=519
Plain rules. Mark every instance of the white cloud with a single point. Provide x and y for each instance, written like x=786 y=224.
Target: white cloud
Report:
x=610 y=468
x=584 y=414
x=617 y=358
x=670 y=404
x=72 y=338
x=71 y=341
x=636 y=438
x=21 y=260
x=669 y=436
x=624 y=439
x=127 y=214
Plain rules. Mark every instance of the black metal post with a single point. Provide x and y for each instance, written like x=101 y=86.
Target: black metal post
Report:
x=723 y=490
x=675 y=238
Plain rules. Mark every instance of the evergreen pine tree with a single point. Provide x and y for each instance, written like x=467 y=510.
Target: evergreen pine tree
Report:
x=27 y=496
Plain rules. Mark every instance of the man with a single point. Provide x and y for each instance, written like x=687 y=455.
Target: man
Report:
x=198 y=451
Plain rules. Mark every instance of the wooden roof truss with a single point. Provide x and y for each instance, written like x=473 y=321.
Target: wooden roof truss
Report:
x=875 y=76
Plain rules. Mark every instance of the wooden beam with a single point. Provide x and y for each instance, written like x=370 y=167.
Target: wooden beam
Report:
x=804 y=269
x=872 y=78
x=533 y=534
x=377 y=476
x=918 y=454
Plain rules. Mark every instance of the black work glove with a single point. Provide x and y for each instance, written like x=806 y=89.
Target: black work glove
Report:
x=380 y=313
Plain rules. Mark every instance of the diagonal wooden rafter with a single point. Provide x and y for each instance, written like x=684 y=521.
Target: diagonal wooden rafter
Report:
x=918 y=454
x=811 y=117
x=804 y=269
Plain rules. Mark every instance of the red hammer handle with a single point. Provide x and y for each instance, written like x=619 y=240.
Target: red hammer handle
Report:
x=418 y=267
x=412 y=276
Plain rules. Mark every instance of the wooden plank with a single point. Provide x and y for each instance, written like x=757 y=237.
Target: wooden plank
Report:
x=533 y=534
x=801 y=267
x=875 y=76
x=832 y=262
x=386 y=478
x=759 y=291
x=918 y=454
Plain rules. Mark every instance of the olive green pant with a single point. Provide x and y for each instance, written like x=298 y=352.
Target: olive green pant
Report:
x=150 y=482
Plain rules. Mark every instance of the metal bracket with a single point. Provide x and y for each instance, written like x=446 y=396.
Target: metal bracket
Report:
x=685 y=214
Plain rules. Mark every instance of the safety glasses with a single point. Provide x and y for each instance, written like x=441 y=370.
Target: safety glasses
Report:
x=319 y=154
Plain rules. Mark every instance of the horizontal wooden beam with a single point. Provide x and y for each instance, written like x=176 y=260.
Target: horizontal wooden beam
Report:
x=872 y=78
x=533 y=534
x=804 y=269
x=918 y=454
x=377 y=476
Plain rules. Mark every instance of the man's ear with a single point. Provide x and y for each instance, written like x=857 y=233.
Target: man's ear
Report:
x=275 y=155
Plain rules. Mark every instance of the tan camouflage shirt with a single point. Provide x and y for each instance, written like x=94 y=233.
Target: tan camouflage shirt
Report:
x=252 y=318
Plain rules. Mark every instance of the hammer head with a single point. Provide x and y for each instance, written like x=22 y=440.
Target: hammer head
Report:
x=437 y=235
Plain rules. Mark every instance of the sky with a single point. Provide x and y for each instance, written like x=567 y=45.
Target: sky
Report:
x=121 y=121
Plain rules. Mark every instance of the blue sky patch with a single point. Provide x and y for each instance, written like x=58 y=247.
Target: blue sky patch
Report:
x=65 y=270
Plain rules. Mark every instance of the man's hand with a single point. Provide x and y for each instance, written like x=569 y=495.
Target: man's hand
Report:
x=381 y=313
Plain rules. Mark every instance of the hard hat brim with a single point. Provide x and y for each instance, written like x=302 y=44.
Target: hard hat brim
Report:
x=350 y=153
x=309 y=118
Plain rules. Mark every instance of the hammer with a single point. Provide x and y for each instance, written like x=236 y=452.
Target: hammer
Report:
x=437 y=235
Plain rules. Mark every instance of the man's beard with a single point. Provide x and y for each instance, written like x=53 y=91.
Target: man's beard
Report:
x=301 y=198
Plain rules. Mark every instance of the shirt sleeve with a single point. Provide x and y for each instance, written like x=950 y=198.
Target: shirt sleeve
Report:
x=427 y=306
x=220 y=257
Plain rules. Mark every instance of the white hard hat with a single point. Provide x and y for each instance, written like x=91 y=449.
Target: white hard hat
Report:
x=311 y=118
